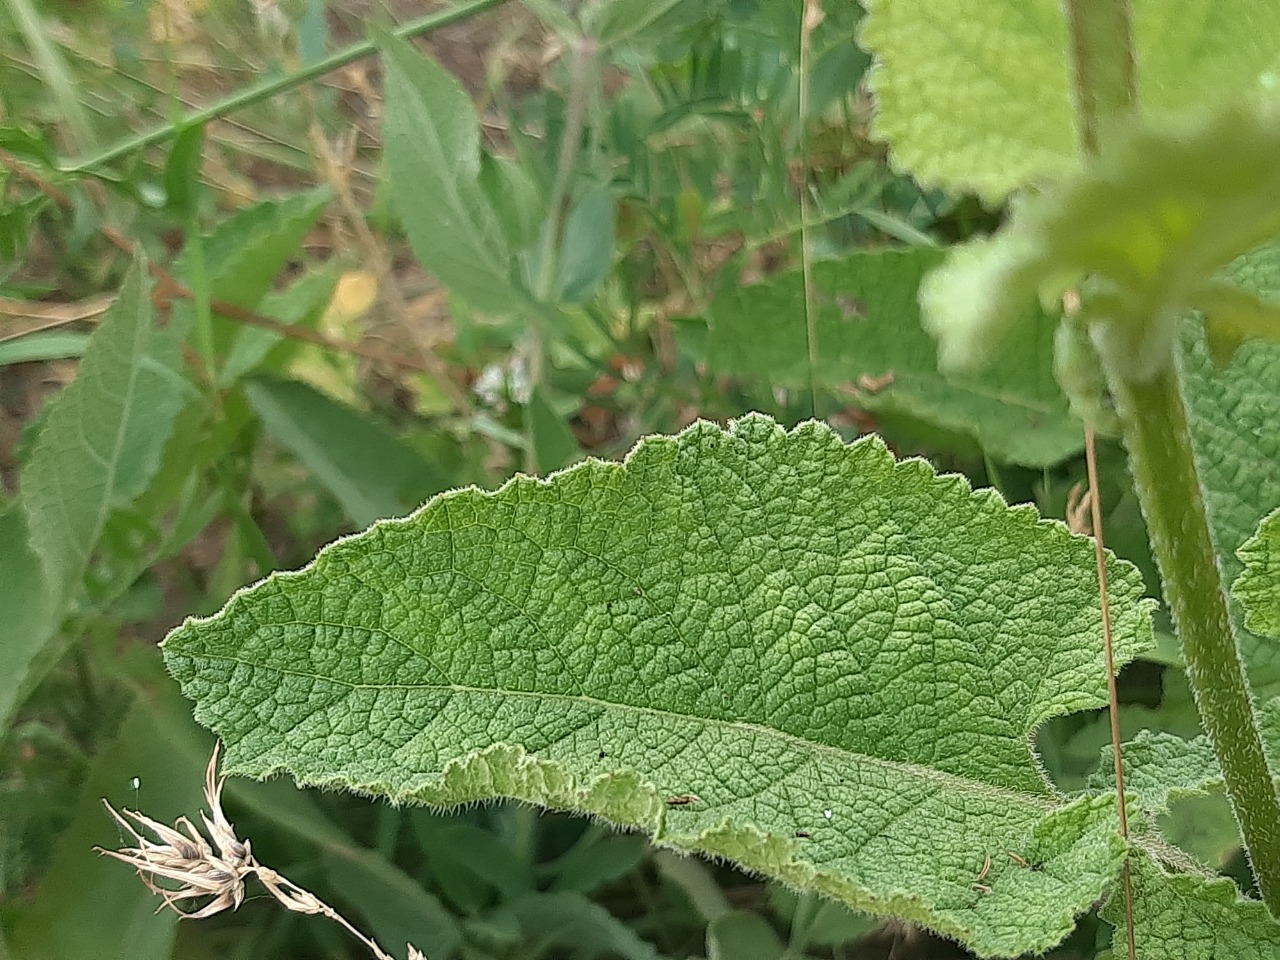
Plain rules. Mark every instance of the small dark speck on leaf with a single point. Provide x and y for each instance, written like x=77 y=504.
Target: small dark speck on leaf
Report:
x=851 y=308
x=803 y=834
x=603 y=755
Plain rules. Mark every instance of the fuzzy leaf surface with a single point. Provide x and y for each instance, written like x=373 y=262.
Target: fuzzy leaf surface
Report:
x=1188 y=917
x=868 y=326
x=775 y=630
x=1233 y=410
x=977 y=95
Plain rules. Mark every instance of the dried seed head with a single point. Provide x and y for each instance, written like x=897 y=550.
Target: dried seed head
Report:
x=213 y=868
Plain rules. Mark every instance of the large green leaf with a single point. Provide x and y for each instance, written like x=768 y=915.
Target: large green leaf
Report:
x=1257 y=589
x=433 y=155
x=867 y=324
x=977 y=95
x=775 y=648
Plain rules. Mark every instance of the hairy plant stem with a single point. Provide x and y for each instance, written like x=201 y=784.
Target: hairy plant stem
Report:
x=1154 y=421
x=270 y=87
x=1162 y=461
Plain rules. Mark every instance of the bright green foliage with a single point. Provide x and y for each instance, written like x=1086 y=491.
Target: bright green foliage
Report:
x=867 y=323
x=1258 y=588
x=1150 y=224
x=432 y=152
x=1188 y=917
x=102 y=440
x=977 y=95
x=802 y=635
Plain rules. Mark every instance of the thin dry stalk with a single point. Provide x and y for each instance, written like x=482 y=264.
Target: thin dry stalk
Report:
x=182 y=864
x=1100 y=557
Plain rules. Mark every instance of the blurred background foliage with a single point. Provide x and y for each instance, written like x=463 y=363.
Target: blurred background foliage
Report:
x=656 y=174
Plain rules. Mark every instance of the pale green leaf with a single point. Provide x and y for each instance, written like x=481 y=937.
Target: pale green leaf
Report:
x=972 y=95
x=51 y=345
x=865 y=645
x=102 y=440
x=433 y=155
x=1257 y=590
x=1150 y=224
x=1161 y=767
x=868 y=329
x=978 y=95
x=370 y=471
x=1188 y=917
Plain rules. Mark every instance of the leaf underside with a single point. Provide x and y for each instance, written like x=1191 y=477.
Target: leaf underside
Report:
x=977 y=95
x=835 y=659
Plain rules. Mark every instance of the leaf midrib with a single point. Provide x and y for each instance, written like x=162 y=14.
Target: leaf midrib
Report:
x=980 y=788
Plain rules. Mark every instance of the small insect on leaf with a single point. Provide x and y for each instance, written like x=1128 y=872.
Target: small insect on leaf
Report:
x=803 y=834
x=986 y=868
x=683 y=799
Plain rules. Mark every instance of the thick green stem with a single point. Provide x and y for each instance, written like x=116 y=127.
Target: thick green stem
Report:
x=1155 y=429
x=269 y=88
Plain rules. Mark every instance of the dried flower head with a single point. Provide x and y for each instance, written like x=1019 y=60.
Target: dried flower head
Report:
x=182 y=864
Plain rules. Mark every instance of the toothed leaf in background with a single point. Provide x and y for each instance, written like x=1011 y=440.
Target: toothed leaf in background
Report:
x=100 y=445
x=868 y=645
x=869 y=339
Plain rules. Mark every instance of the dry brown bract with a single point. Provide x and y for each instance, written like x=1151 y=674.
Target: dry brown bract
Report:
x=215 y=867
